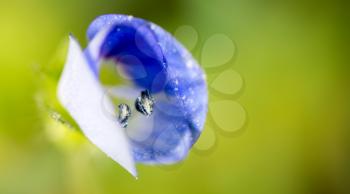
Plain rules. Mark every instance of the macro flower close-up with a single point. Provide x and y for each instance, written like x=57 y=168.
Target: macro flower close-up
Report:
x=175 y=96
x=160 y=73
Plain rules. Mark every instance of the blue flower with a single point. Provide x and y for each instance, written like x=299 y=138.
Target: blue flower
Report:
x=153 y=61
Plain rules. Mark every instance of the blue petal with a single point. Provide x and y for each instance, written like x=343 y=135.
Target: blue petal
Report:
x=132 y=38
x=173 y=77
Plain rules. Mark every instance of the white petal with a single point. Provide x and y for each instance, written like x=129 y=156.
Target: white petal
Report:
x=81 y=94
x=93 y=49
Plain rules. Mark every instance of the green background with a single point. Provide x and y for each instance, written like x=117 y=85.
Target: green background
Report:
x=292 y=55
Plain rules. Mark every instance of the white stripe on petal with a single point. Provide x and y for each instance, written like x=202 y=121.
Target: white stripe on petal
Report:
x=81 y=94
x=94 y=48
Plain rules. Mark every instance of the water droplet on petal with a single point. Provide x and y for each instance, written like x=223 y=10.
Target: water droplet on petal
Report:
x=129 y=18
x=229 y=115
x=153 y=26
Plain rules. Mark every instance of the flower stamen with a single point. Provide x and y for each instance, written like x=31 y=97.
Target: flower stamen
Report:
x=124 y=114
x=144 y=103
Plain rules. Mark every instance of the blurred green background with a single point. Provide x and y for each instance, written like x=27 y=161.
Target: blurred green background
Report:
x=292 y=55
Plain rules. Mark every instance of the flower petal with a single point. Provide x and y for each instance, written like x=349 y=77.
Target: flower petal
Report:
x=81 y=94
x=129 y=39
x=173 y=77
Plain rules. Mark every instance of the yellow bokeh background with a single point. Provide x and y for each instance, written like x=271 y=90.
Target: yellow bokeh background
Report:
x=293 y=57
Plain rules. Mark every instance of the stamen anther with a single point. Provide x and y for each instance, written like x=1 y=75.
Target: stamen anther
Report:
x=144 y=103
x=124 y=114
